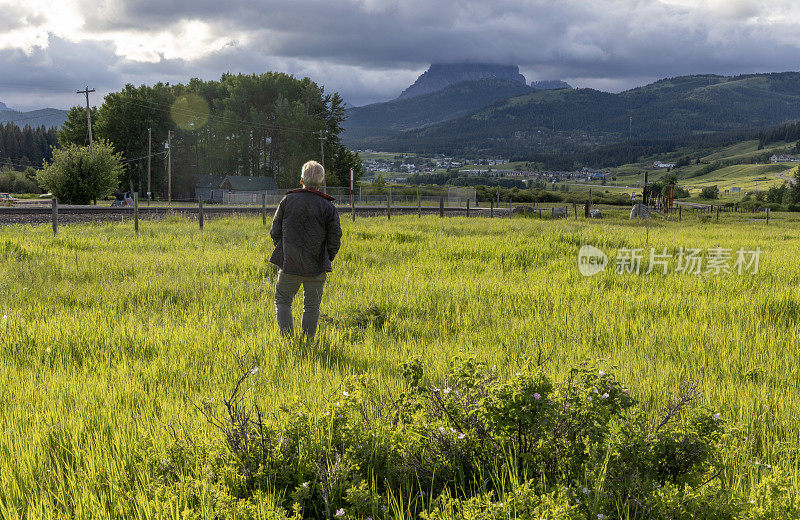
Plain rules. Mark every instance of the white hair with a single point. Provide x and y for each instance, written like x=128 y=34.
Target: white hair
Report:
x=313 y=174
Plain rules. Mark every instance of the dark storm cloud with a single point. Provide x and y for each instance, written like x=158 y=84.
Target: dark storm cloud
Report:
x=371 y=49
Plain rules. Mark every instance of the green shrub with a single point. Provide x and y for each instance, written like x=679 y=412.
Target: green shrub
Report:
x=710 y=192
x=18 y=182
x=471 y=445
x=75 y=176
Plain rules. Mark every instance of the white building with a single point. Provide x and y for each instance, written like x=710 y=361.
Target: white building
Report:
x=783 y=158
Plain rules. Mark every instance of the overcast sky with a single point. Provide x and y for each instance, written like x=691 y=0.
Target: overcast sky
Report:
x=369 y=50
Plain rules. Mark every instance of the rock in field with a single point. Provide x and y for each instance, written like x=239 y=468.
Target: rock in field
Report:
x=640 y=211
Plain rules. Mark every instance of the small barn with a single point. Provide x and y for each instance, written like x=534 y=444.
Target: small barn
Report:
x=232 y=189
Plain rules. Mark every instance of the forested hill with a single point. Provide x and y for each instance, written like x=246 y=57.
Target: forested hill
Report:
x=568 y=120
x=448 y=103
x=46 y=117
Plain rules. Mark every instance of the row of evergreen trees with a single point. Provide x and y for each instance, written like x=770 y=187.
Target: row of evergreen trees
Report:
x=26 y=146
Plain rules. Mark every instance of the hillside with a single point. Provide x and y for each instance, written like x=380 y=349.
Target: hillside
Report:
x=558 y=121
x=47 y=117
x=448 y=103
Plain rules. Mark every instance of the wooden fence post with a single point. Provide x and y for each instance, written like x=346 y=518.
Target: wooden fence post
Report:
x=389 y=205
x=200 y=216
x=353 y=205
x=467 y=208
x=767 y=216
x=575 y=209
x=136 y=212
x=263 y=209
x=55 y=216
x=491 y=209
x=717 y=213
x=419 y=204
x=680 y=213
x=441 y=206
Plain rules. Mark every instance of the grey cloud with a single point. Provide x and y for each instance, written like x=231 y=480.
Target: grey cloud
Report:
x=369 y=50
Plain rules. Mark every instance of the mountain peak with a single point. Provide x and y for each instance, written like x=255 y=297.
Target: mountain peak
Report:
x=441 y=75
x=3 y=107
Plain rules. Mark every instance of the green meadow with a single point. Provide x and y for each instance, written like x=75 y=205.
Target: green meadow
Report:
x=109 y=340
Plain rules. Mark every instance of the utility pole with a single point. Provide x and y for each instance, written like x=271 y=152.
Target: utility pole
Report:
x=322 y=147
x=88 y=117
x=169 y=166
x=149 y=157
x=630 y=128
x=322 y=154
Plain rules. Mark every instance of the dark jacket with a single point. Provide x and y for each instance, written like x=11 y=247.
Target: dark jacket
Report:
x=306 y=233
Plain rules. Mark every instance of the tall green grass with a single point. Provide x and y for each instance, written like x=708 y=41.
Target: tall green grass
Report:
x=108 y=338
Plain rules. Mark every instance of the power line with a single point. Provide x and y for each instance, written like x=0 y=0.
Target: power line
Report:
x=25 y=119
x=221 y=119
x=144 y=157
x=166 y=108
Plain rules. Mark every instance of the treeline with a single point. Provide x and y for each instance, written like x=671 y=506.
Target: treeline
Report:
x=486 y=189
x=540 y=195
x=26 y=146
x=254 y=125
x=784 y=133
x=459 y=179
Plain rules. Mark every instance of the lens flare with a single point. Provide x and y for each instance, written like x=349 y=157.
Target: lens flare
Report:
x=190 y=112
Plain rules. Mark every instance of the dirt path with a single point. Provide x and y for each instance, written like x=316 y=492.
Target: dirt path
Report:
x=785 y=176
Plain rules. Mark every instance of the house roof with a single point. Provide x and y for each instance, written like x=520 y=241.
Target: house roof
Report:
x=209 y=181
x=242 y=183
x=236 y=182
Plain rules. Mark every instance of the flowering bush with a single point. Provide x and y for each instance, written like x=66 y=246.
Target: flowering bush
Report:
x=472 y=445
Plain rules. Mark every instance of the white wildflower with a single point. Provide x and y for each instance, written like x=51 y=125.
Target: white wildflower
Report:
x=601 y=373
x=47 y=350
x=346 y=394
x=339 y=512
x=717 y=417
x=461 y=436
x=604 y=396
x=254 y=370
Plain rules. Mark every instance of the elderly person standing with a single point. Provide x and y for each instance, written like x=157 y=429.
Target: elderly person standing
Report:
x=307 y=235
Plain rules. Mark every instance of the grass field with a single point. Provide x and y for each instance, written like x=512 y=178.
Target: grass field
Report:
x=107 y=338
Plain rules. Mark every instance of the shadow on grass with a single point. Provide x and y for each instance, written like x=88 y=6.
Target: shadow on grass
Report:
x=333 y=354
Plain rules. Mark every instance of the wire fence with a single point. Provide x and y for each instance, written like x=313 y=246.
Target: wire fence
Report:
x=368 y=196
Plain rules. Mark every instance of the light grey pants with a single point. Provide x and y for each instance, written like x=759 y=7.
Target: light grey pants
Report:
x=285 y=289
